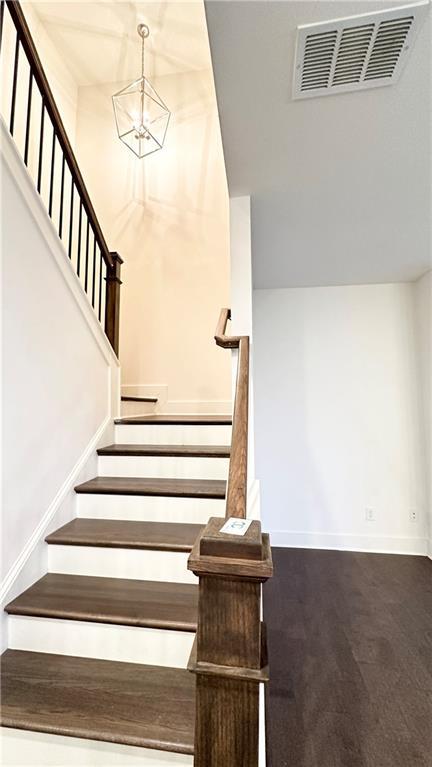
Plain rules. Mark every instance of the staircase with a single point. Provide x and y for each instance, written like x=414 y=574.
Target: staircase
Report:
x=143 y=643
x=99 y=646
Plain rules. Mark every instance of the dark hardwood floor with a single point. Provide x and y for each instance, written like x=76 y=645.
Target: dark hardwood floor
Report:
x=350 y=651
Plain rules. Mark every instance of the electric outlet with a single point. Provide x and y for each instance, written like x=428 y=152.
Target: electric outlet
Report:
x=369 y=514
x=413 y=515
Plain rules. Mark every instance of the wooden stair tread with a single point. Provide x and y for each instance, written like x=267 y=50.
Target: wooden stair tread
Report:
x=178 y=451
x=126 y=398
x=196 y=420
x=151 y=604
x=118 y=533
x=182 y=488
x=127 y=703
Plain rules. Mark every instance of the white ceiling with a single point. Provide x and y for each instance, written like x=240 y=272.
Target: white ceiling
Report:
x=340 y=185
x=100 y=43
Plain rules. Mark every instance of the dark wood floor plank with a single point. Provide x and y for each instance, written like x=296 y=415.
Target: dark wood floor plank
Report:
x=126 y=703
x=181 y=488
x=194 y=420
x=178 y=451
x=350 y=682
x=127 y=534
x=152 y=604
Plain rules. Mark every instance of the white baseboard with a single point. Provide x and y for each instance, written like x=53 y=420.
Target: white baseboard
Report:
x=348 y=542
x=43 y=527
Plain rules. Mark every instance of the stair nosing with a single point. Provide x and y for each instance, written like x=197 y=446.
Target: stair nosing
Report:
x=114 y=620
x=175 y=548
x=165 y=451
x=76 y=732
x=173 y=420
x=86 y=488
x=64 y=537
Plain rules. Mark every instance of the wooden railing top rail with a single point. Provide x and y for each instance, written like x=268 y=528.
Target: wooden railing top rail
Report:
x=26 y=40
x=237 y=476
x=227 y=342
x=229 y=656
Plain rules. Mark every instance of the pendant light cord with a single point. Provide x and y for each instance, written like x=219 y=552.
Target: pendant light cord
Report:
x=144 y=32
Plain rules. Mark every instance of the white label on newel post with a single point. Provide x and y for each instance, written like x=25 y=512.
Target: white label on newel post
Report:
x=236 y=526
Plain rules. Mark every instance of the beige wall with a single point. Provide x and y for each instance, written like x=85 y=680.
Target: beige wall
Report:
x=167 y=215
x=62 y=84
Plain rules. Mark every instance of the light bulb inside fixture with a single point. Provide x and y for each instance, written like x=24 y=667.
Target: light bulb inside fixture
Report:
x=140 y=123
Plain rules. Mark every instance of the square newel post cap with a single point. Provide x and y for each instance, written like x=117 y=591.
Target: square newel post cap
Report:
x=240 y=556
x=113 y=274
x=116 y=257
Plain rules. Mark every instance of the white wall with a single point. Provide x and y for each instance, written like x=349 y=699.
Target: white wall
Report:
x=337 y=425
x=241 y=324
x=423 y=307
x=241 y=265
x=60 y=376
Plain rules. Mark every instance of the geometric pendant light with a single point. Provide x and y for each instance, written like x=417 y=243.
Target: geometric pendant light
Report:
x=141 y=116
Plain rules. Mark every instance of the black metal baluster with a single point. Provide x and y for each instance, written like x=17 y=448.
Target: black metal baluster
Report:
x=14 y=85
x=27 y=133
x=100 y=285
x=87 y=256
x=61 y=198
x=71 y=219
x=79 y=239
x=39 y=180
x=1 y=21
x=50 y=205
x=94 y=271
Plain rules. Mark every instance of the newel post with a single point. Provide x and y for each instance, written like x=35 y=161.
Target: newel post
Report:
x=229 y=654
x=112 y=304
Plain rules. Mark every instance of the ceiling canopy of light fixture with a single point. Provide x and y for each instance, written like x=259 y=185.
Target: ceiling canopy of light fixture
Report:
x=141 y=116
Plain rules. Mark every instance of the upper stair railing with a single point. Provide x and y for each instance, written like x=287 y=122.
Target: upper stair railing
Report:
x=29 y=110
x=229 y=656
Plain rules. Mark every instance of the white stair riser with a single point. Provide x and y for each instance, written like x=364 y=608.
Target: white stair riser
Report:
x=39 y=749
x=169 y=467
x=129 y=644
x=149 y=508
x=176 y=434
x=138 y=564
x=128 y=409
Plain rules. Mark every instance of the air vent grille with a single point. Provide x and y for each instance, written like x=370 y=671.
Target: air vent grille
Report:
x=318 y=57
x=355 y=53
x=387 y=47
x=351 y=56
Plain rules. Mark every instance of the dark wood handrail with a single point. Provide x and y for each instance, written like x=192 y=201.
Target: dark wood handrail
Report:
x=26 y=40
x=237 y=476
x=229 y=656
